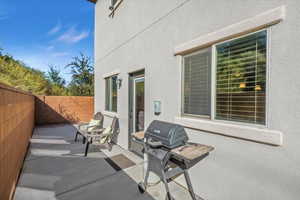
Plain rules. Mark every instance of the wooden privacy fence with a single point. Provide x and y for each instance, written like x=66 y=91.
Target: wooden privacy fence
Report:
x=63 y=109
x=19 y=112
x=16 y=126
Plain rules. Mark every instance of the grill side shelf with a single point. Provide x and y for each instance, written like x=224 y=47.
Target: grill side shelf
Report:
x=190 y=154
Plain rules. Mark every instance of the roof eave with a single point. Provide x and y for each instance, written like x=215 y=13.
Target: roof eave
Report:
x=93 y=1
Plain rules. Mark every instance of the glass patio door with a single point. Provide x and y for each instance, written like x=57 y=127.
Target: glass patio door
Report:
x=136 y=108
x=138 y=104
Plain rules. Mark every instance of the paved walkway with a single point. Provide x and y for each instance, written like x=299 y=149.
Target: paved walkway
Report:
x=55 y=169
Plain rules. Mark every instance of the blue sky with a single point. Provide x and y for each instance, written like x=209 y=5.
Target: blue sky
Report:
x=47 y=32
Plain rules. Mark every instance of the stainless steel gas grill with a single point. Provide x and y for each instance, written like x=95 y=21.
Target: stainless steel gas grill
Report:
x=170 y=154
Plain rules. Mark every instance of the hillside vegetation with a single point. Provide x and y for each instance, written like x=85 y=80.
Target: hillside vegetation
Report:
x=16 y=74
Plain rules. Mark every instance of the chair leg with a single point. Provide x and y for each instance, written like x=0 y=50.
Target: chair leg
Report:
x=86 y=148
x=76 y=136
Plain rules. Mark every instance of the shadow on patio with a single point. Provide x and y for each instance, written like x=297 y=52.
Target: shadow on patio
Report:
x=56 y=169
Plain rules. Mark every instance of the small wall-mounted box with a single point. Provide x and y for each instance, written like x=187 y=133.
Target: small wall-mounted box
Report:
x=157 y=107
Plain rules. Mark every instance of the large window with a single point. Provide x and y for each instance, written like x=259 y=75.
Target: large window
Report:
x=197 y=83
x=240 y=80
x=111 y=94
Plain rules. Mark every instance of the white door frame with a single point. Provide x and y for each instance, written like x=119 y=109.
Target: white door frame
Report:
x=136 y=80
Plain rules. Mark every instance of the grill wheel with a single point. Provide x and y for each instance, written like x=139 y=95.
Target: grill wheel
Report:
x=142 y=188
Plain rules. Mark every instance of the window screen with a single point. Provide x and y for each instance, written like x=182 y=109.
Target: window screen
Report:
x=111 y=94
x=197 y=83
x=241 y=79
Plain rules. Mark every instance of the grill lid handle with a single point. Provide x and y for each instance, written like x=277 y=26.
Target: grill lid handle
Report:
x=154 y=144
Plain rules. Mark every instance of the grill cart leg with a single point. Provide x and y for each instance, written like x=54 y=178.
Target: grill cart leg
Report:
x=146 y=177
x=164 y=179
x=143 y=185
x=189 y=184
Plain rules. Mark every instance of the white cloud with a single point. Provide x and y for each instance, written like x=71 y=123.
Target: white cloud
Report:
x=73 y=36
x=55 y=29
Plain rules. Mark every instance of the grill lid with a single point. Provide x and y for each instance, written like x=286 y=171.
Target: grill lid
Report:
x=169 y=134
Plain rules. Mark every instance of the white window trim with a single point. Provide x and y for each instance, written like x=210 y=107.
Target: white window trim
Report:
x=253 y=24
x=256 y=134
x=248 y=131
x=112 y=73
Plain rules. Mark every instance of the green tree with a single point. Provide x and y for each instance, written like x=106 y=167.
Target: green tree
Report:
x=57 y=82
x=17 y=74
x=82 y=71
x=54 y=76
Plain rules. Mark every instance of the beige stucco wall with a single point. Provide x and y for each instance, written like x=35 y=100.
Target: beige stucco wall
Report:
x=143 y=34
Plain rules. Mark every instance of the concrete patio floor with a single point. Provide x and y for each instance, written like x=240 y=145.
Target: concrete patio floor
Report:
x=55 y=169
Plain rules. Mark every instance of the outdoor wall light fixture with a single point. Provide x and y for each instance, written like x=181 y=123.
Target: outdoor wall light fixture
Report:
x=119 y=82
x=157 y=107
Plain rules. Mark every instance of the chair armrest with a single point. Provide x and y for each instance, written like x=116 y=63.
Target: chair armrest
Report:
x=91 y=126
x=96 y=131
x=83 y=124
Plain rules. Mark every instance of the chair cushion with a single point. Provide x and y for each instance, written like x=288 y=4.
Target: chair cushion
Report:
x=94 y=123
x=106 y=135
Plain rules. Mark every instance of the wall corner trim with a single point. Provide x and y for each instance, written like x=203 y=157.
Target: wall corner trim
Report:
x=252 y=24
x=256 y=134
